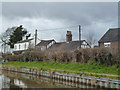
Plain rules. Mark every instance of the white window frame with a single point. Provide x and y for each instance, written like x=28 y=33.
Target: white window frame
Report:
x=107 y=44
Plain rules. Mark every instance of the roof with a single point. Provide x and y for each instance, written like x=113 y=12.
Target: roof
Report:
x=112 y=35
x=67 y=45
x=44 y=42
x=27 y=40
x=57 y=45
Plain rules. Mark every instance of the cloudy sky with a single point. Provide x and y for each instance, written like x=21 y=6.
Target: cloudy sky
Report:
x=95 y=17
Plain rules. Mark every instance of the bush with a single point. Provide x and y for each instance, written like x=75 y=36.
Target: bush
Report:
x=58 y=56
x=105 y=56
x=26 y=56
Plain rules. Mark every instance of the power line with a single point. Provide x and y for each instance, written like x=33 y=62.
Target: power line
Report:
x=54 y=29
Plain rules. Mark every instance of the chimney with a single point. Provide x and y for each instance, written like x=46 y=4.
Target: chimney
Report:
x=68 y=36
x=27 y=36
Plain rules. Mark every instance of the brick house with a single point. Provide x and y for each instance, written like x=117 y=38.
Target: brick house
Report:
x=111 y=38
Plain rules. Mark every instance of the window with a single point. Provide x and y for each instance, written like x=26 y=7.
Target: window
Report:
x=107 y=44
x=25 y=45
x=15 y=47
x=19 y=46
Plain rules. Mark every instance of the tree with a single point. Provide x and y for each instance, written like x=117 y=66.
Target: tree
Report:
x=17 y=35
x=4 y=38
x=91 y=39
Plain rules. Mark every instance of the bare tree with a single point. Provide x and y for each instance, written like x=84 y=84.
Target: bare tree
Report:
x=62 y=38
x=91 y=38
x=4 y=38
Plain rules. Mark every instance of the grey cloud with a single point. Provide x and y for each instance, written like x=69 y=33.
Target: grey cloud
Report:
x=83 y=13
x=93 y=16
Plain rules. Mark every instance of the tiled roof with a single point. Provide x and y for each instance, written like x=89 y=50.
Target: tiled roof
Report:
x=57 y=45
x=112 y=35
x=44 y=42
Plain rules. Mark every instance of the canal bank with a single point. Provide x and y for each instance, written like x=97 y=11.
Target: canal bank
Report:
x=68 y=77
x=23 y=80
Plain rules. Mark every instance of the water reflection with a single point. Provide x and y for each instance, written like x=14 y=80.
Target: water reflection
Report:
x=19 y=80
x=0 y=82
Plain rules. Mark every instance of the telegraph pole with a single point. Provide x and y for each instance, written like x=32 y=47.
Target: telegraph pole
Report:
x=79 y=28
x=4 y=48
x=35 y=37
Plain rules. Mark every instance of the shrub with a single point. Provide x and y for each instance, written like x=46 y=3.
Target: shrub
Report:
x=105 y=56
x=32 y=56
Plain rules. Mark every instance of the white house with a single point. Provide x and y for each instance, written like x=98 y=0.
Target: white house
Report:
x=25 y=45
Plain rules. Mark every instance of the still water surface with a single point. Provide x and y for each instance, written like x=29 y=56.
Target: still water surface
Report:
x=19 y=80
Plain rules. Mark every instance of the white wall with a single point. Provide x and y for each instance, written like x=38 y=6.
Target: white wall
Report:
x=84 y=45
x=21 y=46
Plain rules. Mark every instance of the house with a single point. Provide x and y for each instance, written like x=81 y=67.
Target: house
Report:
x=72 y=45
x=111 y=38
x=45 y=44
x=68 y=45
x=24 y=45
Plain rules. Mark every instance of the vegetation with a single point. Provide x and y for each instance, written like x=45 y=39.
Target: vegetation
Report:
x=104 y=56
x=94 y=67
x=1 y=60
x=83 y=61
x=12 y=36
x=16 y=36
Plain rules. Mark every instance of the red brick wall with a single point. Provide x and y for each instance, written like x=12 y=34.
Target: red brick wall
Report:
x=101 y=44
x=114 y=45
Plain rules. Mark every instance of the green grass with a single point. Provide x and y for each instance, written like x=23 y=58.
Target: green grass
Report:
x=93 y=67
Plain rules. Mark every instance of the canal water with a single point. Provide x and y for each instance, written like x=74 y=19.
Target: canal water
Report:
x=10 y=79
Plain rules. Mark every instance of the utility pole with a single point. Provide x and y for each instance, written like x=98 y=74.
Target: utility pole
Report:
x=79 y=28
x=4 y=48
x=35 y=37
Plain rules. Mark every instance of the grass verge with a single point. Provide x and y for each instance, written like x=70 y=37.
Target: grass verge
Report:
x=77 y=68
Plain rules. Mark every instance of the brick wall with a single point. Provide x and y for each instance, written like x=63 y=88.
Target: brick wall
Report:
x=101 y=44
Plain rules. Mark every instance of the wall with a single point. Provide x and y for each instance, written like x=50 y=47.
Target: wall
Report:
x=21 y=46
x=30 y=44
x=114 y=45
x=101 y=44
x=69 y=77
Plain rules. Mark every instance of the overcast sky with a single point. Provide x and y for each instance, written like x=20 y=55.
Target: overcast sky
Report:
x=93 y=17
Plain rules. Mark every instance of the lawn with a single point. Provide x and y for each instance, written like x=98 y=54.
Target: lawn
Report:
x=93 y=67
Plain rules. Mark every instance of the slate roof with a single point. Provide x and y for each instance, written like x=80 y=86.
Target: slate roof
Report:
x=57 y=45
x=67 y=45
x=44 y=42
x=112 y=35
x=27 y=40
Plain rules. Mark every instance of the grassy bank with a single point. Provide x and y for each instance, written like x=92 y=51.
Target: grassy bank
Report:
x=91 y=67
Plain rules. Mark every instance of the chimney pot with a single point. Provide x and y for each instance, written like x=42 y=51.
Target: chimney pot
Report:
x=68 y=36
